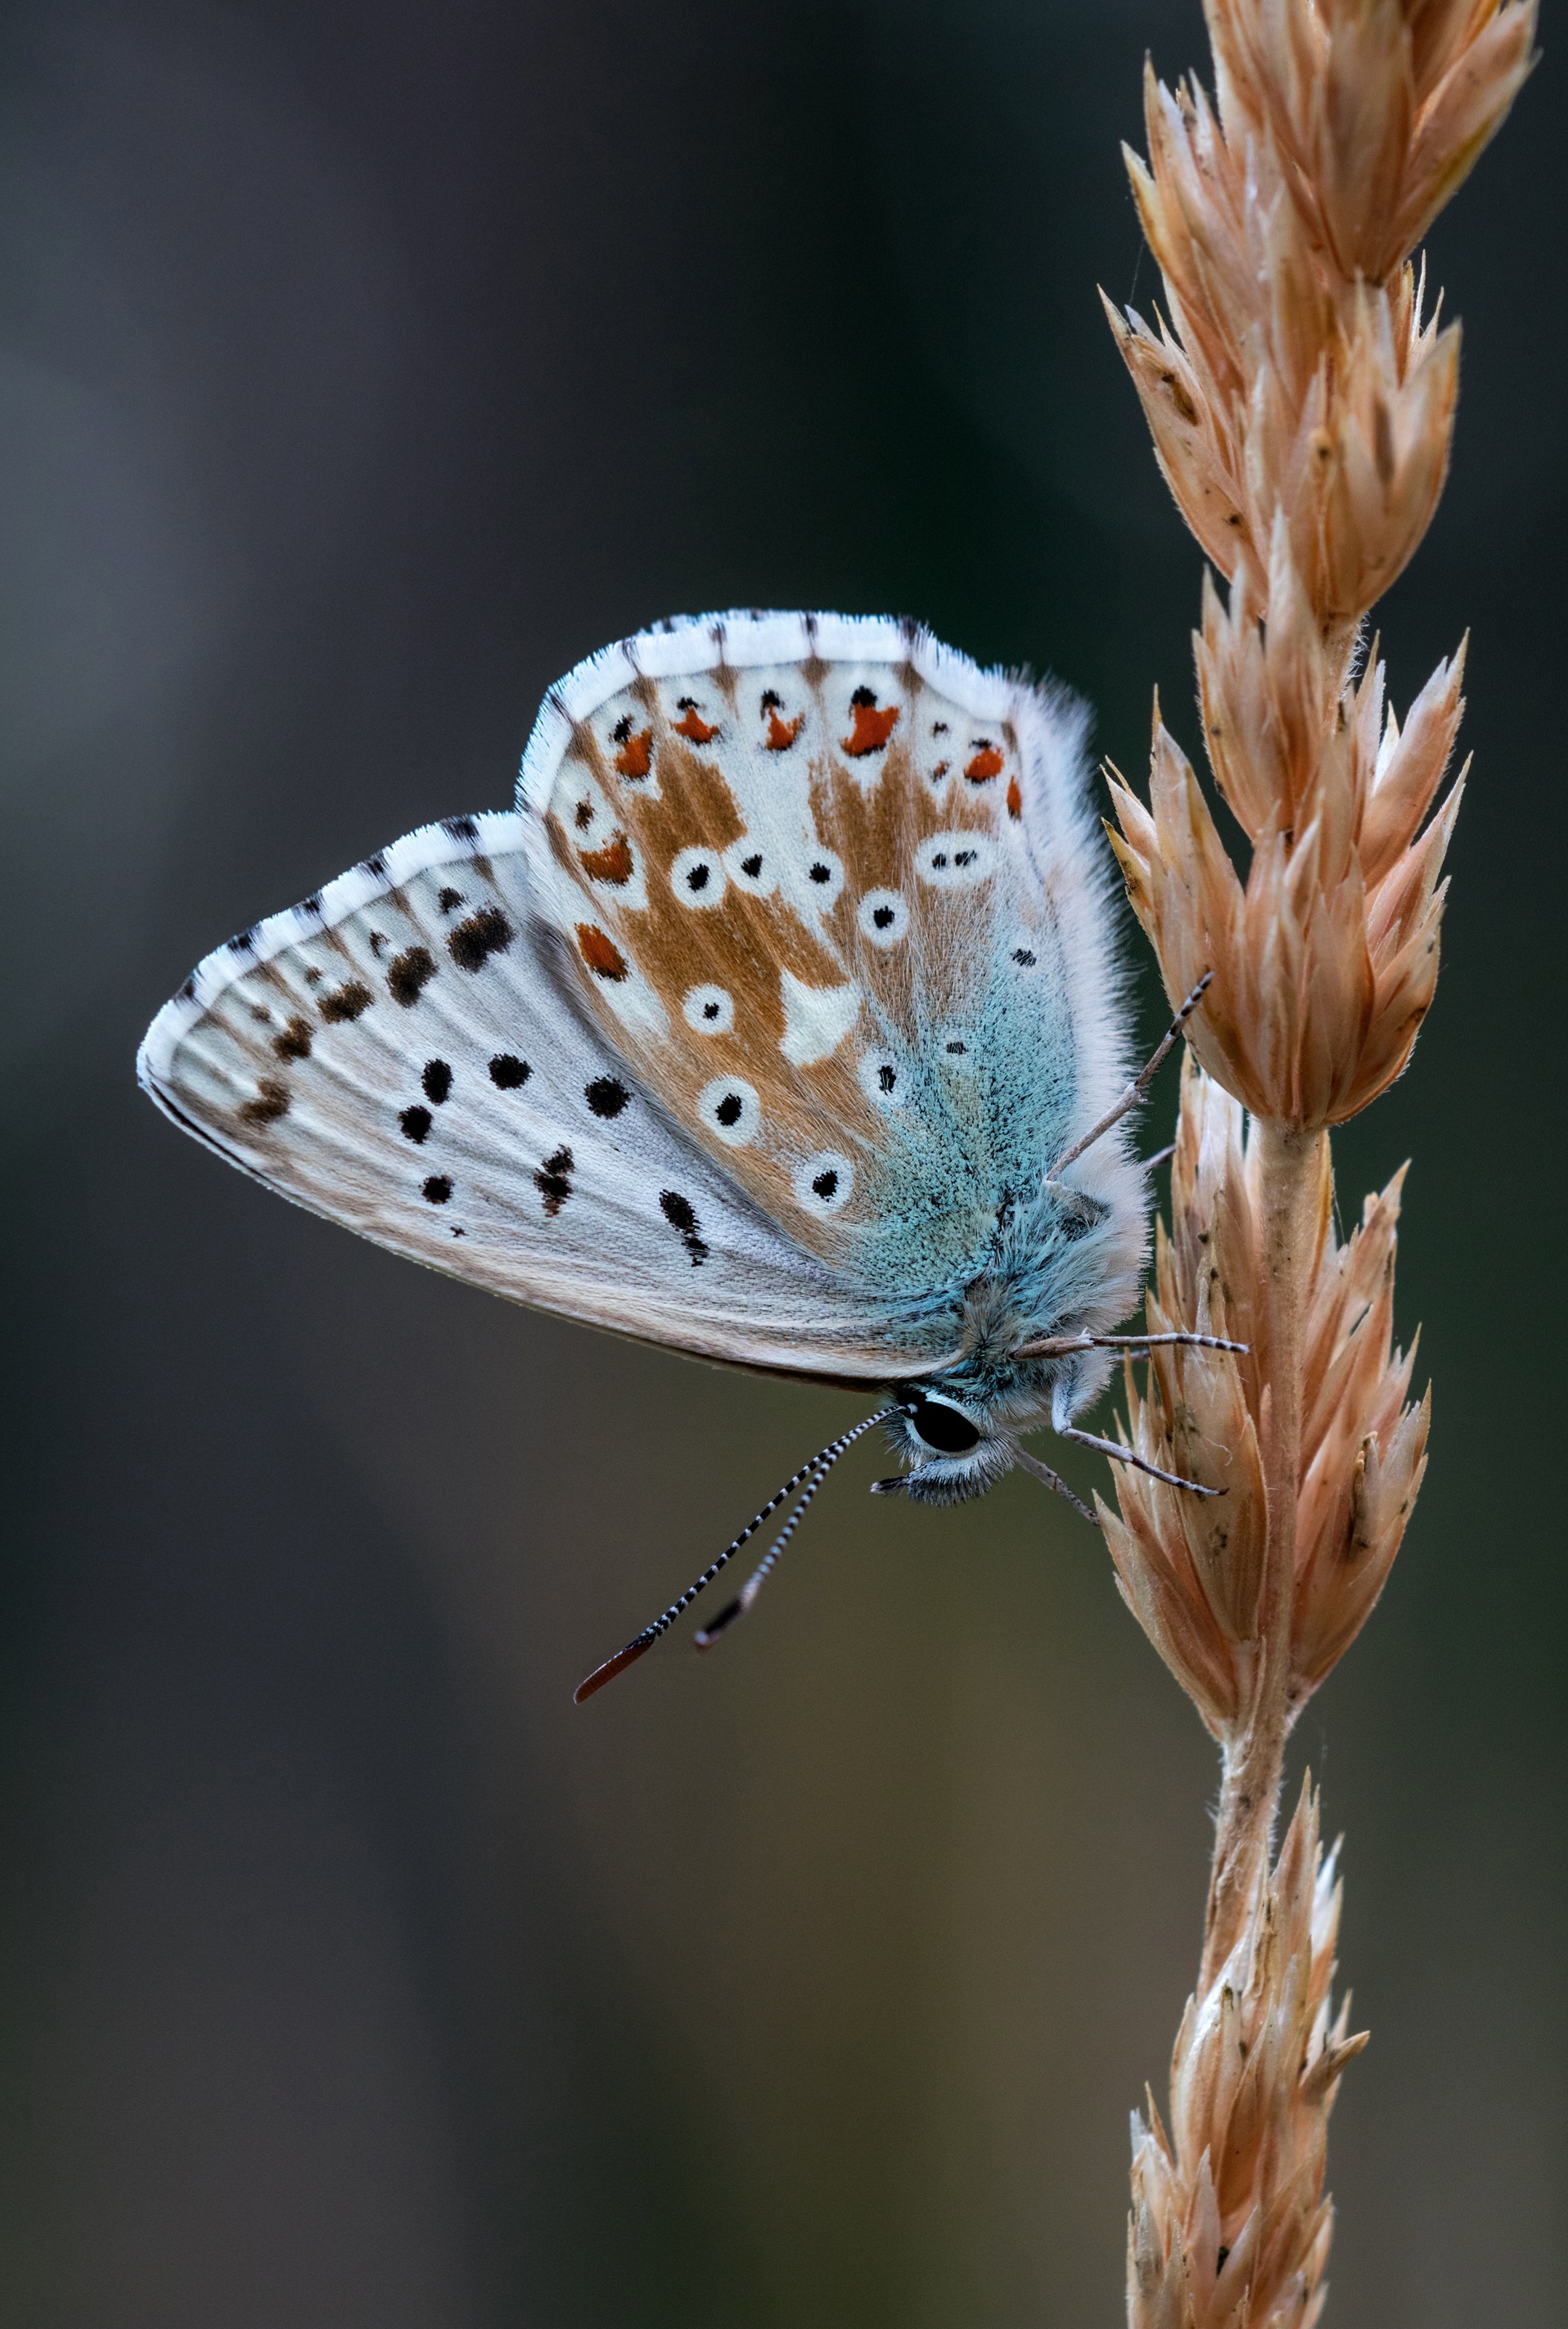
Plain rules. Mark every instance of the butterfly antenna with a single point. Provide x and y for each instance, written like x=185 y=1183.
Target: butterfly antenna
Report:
x=759 y=1575
x=814 y=1472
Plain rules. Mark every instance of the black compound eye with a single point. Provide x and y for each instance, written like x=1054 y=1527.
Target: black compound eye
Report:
x=946 y=1428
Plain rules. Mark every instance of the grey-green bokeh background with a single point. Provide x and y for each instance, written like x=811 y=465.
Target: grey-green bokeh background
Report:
x=364 y=367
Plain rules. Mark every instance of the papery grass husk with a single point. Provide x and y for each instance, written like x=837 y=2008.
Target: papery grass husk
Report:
x=1192 y=1569
x=1301 y=395
x=1230 y=2222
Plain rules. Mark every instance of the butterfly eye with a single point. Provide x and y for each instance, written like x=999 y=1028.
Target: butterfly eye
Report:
x=697 y=877
x=946 y=1428
x=711 y=1010
x=824 y=1182
x=883 y=917
x=730 y=1110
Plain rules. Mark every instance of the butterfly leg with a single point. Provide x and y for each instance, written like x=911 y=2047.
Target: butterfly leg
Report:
x=1062 y=1346
x=1125 y=1455
x=1050 y=1479
x=1135 y=1094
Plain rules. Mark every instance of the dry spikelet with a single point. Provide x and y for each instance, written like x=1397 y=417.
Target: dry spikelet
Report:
x=1326 y=960
x=1230 y=2224
x=1302 y=408
x=1302 y=411
x=1192 y=1569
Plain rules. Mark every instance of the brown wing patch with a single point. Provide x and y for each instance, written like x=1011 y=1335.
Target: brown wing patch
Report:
x=601 y=954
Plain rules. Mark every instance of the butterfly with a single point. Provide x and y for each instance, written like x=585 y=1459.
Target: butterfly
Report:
x=780 y=1021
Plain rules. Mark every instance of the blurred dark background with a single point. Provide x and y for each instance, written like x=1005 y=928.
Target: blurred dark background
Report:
x=363 y=367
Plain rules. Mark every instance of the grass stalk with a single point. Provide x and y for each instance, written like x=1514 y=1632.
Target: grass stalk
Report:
x=1302 y=408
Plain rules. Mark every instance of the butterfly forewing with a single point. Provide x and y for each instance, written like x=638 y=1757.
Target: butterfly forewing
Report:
x=401 y=1055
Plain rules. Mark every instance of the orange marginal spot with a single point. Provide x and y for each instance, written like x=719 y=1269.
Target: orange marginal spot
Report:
x=611 y=863
x=872 y=728
x=605 y=959
x=1015 y=798
x=985 y=764
x=693 y=727
x=781 y=733
x=635 y=758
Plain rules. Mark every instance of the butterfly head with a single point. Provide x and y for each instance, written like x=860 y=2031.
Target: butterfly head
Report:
x=950 y=1446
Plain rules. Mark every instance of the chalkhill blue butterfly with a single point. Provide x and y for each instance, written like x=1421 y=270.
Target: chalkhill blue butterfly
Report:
x=780 y=1021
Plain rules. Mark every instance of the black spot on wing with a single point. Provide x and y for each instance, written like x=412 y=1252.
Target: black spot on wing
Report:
x=677 y=1211
x=507 y=1073
x=436 y=1190
x=485 y=933
x=461 y=828
x=271 y=1102
x=347 y=1003
x=606 y=1095
x=552 y=1181
x=415 y=1123
x=450 y=900
x=436 y=1080
x=295 y=1041
x=243 y=942
x=374 y=866
x=410 y=972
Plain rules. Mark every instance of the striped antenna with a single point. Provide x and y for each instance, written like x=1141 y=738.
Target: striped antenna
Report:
x=759 y=1575
x=815 y=1472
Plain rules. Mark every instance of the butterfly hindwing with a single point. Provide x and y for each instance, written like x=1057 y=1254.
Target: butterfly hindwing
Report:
x=833 y=893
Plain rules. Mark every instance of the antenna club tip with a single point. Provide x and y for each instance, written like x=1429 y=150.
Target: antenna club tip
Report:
x=613 y=1667
x=708 y=1635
